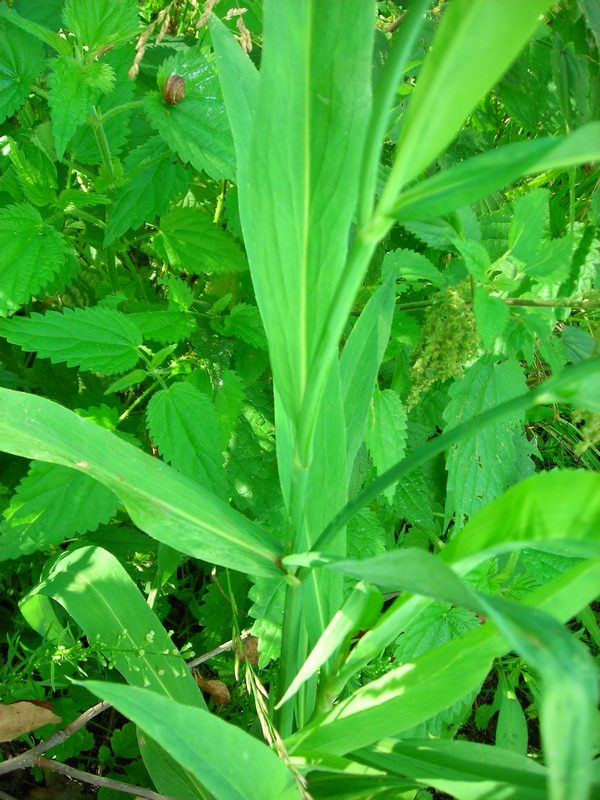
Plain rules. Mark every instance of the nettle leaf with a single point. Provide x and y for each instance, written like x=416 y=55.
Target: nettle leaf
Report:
x=252 y=467
x=197 y=128
x=411 y=266
x=191 y=241
x=183 y=424
x=244 y=323
x=366 y=535
x=53 y=503
x=228 y=403
x=155 y=179
x=482 y=466
x=552 y=261
x=101 y=22
x=432 y=627
x=96 y=339
x=492 y=316
x=74 y=88
x=528 y=224
x=164 y=326
x=21 y=60
x=268 y=596
x=35 y=173
x=412 y=500
x=32 y=254
x=386 y=432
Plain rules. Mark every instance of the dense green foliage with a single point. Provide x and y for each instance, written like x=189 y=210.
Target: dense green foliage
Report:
x=299 y=353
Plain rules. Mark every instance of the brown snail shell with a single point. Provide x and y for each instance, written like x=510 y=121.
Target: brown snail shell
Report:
x=173 y=90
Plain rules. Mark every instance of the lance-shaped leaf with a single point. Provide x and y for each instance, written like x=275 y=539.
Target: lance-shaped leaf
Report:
x=163 y=503
x=469 y=181
x=98 y=339
x=454 y=668
x=231 y=763
x=360 y=362
x=474 y=45
x=466 y=770
x=96 y=591
x=310 y=119
x=359 y=611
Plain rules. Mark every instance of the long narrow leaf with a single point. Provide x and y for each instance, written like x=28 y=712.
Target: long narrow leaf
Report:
x=476 y=42
x=299 y=187
x=482 y=175
x=163 y=503
x=422 y=688
x=231 y=763
x=96 y=591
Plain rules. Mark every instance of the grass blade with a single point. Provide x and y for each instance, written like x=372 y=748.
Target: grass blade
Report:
x=232 y=764
x=163 y=503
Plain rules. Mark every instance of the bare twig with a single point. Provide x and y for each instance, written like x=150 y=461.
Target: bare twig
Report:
x=29 y=758
x=32 y=757
x=395 y=24
x=97 y=780
x=222 y=648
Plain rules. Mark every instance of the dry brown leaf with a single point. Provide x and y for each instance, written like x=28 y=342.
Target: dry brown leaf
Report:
x=216 y=689
x=24 y=716
x=251 y=649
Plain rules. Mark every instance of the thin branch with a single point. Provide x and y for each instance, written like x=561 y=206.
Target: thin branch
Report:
x=222 y=648
x=395 y=24
x=557 y=303
x=98 y=780
x=30 y=757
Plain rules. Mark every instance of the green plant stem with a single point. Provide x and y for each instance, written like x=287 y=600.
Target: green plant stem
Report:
x=293 y=638
x=138 y=400
x=119 y=109
x=515 y=302
x=102 y=142
x=541 y=394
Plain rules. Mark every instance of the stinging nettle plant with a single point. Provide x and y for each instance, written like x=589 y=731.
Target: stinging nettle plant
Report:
x=302 y=140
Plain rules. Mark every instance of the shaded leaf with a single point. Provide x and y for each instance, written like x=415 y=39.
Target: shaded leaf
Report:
x=163 y=326
x=481 y=466
x=32 y=254
x=161 y=501
x=386 y=432
x=268 y=596
x=183 y=424
x=96 y=339
x=51 y=504
x=191 y=241
x=231 y=763
x=155 y=179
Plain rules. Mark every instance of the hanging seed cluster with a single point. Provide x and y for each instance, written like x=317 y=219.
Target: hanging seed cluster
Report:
x=449 y=341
